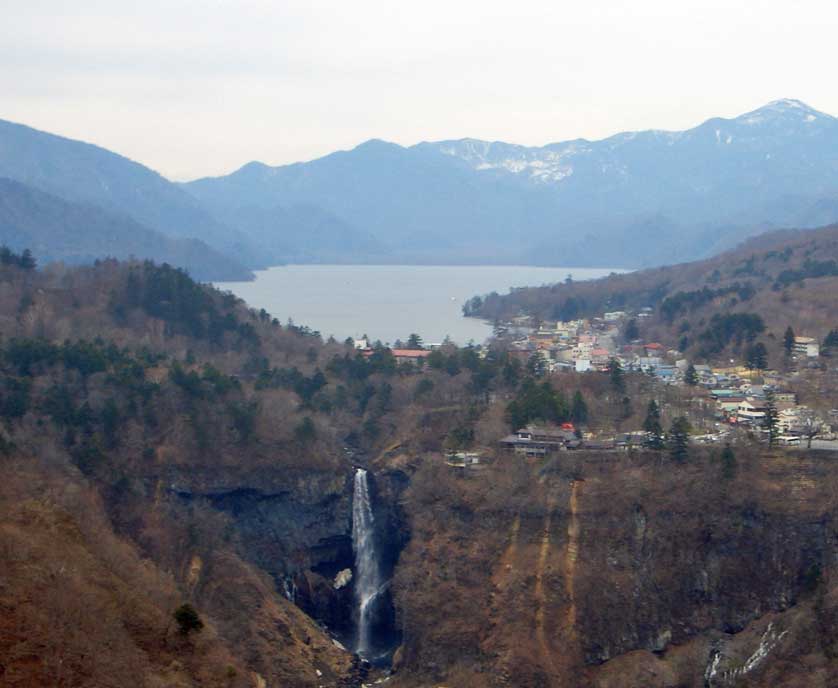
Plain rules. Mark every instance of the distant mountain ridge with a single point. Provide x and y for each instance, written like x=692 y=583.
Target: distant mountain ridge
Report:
x=57 y=230
x=632 y=199
x=553 y=162
x=84 y=173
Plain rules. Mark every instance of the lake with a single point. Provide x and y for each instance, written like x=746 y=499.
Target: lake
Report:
x=389 y=302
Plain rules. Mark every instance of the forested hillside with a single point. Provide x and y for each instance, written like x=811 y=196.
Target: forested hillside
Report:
x=88 y=175
x=176 y=492
x=706 y=308
x=57 y=230
x=160 y=445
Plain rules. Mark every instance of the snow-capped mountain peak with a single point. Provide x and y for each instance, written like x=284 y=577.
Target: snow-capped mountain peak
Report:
x=636 y=197
x=553 y=163
x=785 y=110
x=787 y=104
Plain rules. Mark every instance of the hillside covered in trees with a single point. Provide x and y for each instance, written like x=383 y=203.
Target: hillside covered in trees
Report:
x=176 y=476
x=160 y=445
x=79 y=233
x=705 y=308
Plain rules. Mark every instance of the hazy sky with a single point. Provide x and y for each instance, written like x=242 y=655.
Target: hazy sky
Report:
x=199 y=87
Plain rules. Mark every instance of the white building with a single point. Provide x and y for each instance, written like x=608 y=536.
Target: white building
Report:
x=749 y=411
x=806 y=346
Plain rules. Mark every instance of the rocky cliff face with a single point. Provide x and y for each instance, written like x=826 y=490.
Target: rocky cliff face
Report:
x=294 y=525
x=297 y=527
x=287 y=521
x=618 y=571
x=611 y=570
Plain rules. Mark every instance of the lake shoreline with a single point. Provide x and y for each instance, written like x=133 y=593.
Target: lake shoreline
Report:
x=390 y=302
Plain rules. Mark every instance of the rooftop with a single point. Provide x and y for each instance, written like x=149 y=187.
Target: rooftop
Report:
x=410 y=353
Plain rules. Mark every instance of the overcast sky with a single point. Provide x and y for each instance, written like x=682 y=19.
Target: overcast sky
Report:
x=200 y=87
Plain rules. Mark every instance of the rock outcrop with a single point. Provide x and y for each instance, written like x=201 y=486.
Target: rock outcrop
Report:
x=553 y=577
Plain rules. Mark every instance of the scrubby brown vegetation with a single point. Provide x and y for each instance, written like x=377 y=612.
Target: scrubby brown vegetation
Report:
x=81 y=606
x=116 y=414
x=162 y=444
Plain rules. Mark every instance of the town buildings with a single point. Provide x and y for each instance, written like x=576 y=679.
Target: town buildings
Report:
x=591 y=344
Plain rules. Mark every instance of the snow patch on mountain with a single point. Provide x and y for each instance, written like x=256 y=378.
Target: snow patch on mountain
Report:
x=548 y=169
x=787 y=104
x=783 y=110
x=553 y=163
x=539 y=164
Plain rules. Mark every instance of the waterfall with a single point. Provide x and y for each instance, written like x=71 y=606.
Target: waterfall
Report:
x=367 y=572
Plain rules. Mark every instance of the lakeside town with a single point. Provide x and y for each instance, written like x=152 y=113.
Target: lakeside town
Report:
x=744 y=399
x=741 y=394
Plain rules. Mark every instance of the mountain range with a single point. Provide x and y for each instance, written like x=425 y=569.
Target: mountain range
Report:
x=632 y=200
x=77 y=233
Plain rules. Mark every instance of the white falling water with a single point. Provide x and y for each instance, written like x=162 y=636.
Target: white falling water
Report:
x=367 y=574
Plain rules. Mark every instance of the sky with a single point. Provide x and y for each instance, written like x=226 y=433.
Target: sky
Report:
x=194 y=88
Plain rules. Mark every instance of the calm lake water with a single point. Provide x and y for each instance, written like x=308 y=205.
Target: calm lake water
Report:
x=389 y=302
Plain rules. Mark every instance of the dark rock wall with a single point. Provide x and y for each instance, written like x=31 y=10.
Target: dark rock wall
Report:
x=299 y=530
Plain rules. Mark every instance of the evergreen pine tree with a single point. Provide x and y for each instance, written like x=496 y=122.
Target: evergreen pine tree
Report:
x=756 y=357
x=788 y=340
x=652 y=426
x=728 y=462
x=690 y=376
x=305 y=432
x=615 y=371
x=631 y=332
x=536 y=365
x=679 y=439
x=771 y=419
x=187 y=619
x=579 y=409
x=830 y=342
x=27 y=260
